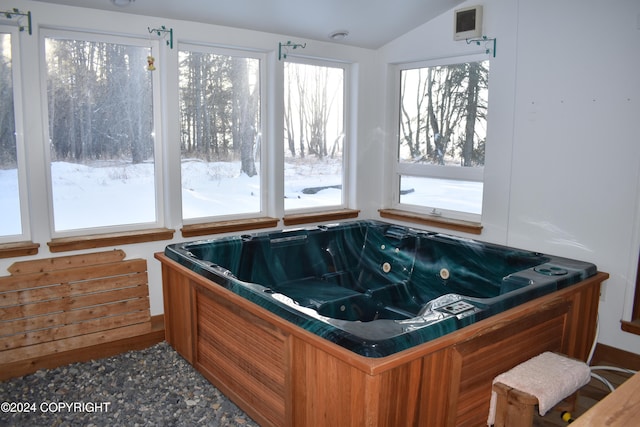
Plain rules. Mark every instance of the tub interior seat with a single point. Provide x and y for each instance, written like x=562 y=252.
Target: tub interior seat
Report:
x=329 y=298
x=362 y=308
x=312 y=292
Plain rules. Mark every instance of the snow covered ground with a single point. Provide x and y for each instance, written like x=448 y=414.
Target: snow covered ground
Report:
x=102 y=195
x=108 y=194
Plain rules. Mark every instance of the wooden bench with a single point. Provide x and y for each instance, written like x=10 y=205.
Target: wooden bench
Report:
x=50 y=307
x=554 y=377
x=516 y=408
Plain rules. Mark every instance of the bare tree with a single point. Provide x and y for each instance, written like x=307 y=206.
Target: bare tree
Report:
x=310 y=102
x=246 y=114
x=453 y=107
x=99 y=101
x=289 y=122
x=471 y=113
x=8 y=154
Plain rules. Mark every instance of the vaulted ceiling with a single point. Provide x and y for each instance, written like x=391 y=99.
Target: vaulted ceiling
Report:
x=370 y=23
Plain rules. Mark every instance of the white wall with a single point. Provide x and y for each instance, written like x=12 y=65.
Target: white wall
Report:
x=563 y=152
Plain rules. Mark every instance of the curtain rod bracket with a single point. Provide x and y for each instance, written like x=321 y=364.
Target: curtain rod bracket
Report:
x=162 y=32
x=283 y=54
x=486 y=40
x=18 y=15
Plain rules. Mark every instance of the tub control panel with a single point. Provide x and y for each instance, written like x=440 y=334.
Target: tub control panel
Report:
x=457 y=308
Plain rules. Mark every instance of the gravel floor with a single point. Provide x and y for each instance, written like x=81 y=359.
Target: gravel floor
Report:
x=151 y=387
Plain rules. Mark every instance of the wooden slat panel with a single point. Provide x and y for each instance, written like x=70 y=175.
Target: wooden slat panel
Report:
x=53 y=319
x=87 y=340
x=106 y=310
x=229 y=351
x=219 y=324
x=54 y=298
x=135 y=340
x=177 y=299
x=399 y=395
x=436 y=402
x=106 y=297
x=35 y=280
x=108 y=283
x=580 y=335
x=236 y=383
x=38 y=309
x=326 y=390
x=65 y=262
x=217 y=330
x=31 y=296
x=60 y=304
x=76 y=329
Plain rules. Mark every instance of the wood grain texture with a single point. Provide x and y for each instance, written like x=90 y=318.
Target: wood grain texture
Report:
x=132 y=339
x=229 y=226
x=178 y=320
x=306 y=218
x=56 y=305
x=514 y=408
x=235 y=347
x=619 y=409
x=432 y=220
x=59 y=263
x=283 y=375
x=91 y=241
x=17 y=249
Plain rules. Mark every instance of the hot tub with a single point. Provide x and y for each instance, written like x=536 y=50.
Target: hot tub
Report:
x=377 y=288
x=369 y=323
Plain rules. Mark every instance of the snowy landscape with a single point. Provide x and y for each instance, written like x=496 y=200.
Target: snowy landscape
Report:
x=99 y=195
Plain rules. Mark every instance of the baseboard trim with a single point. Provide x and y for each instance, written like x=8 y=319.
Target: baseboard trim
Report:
x=99 y=351
x=607 y=355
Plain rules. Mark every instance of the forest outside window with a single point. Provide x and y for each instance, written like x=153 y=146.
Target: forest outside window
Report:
x=314 y=136
x=12 y=169
x=221 y=133
x=441 y=138
x=102 y=138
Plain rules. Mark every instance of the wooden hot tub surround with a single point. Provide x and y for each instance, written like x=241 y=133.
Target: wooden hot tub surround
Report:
x=284 y=375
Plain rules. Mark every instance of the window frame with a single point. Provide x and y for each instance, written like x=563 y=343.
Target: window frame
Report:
x=18 y=118
x=400 y=169
x=265 y=161
x=158 y=143
x=346 y=145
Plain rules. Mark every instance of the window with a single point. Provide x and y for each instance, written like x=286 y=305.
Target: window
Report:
x=314 y=135
x=13 y=223
x=102 y=138
x=441 y=138
x=221 y=133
